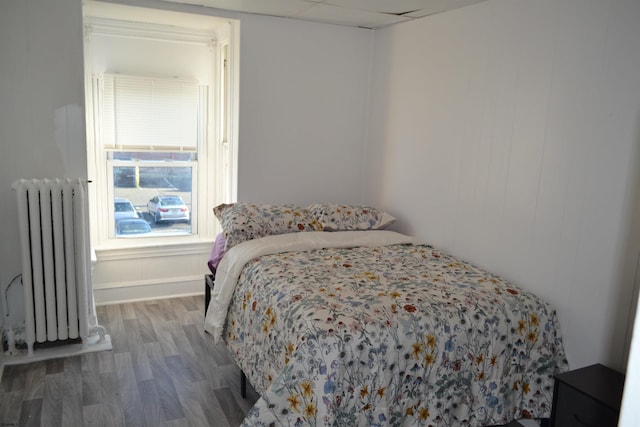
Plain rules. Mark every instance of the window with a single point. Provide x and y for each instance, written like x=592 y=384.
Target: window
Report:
x=160 y=124
x=151 y=131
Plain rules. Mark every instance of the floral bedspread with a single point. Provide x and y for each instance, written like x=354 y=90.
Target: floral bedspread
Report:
x=390 y=335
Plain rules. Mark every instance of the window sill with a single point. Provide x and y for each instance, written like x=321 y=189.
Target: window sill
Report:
x=152 y=248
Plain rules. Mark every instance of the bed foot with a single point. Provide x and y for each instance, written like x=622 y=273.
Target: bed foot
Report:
x=243 y=385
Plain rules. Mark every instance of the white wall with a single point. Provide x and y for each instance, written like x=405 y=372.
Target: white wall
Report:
x=507 y=133
x=303 y=106
x=41 y=111
x=303 y=98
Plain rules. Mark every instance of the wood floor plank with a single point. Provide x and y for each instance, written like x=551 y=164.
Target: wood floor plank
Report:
x=178 y=423
x=190 y=400
x=144 y=310
x=230 y=408
x=14 y=378
x=72 y=398
x=228 y=378
x=138 y=356
x=165 y=338
x=89 y=362
x=167 y=310
x=169 y=402
x=147 y=333
x=197 y=369
x=54 y=366
x=131 y=404
x=128 y=387
x=111 y=398
x=211 y=407
x=205 y=348
x=10 y=407
x=194 y=317
x=30 y=413
x=193 y=303
x=97 y=416
x=33 y=386
x=179 y=338
x=72 y=375
x=178 y=370
x=127 y=310
x=72 y=412
x=105 y=361
x=73 y=365
x=150 y=406
x=125 y=373
x=52 y=398
x=91 y=390
x=163 y=371
x=180 y=306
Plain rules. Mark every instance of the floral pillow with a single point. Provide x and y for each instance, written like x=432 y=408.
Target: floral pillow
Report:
x=336 y=217
x=245 y=221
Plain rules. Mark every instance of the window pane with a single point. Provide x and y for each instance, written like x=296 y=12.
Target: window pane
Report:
x=160 y=195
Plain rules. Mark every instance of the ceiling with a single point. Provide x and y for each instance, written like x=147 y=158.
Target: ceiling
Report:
x=354 y=13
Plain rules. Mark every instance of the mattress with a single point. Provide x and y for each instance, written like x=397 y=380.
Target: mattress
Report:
x=373 y=328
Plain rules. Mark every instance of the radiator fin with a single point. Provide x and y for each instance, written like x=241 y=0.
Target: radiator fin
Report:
x=56 y=269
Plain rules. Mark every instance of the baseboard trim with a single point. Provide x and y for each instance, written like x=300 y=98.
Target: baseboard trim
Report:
x=150 y=291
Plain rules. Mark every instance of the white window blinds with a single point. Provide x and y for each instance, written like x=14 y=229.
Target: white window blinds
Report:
x=140 y=113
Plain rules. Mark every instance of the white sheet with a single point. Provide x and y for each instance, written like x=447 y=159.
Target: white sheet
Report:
x=235 y=259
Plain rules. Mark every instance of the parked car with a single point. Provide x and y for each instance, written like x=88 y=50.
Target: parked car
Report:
x=123 y=209
x=168 y=208
x=132 y=227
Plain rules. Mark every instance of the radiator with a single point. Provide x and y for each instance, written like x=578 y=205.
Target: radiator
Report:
x=56 y=261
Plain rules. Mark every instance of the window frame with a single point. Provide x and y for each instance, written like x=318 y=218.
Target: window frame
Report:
x=216 y=160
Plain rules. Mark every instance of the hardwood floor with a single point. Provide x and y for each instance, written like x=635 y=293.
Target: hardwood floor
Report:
x=163 y=371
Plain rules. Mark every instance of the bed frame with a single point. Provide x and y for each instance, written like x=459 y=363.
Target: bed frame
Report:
x=208 y=287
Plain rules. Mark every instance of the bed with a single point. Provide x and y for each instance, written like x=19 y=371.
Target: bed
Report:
x=364 y=326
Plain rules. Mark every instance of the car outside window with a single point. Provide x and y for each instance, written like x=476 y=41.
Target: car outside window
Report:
x=160 y=188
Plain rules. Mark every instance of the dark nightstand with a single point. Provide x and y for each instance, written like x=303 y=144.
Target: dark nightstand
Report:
x=587 y=397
